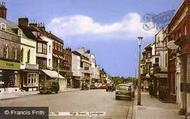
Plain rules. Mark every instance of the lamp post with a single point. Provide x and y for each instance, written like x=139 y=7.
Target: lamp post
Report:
x=139 y=77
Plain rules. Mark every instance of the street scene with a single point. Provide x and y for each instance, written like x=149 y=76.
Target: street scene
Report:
x=101 y=59
x=100 y=101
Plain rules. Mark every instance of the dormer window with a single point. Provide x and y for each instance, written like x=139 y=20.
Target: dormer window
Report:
x=19 y=32
x=3 y=26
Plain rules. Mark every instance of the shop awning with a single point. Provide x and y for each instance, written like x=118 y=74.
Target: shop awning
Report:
x=53 y=74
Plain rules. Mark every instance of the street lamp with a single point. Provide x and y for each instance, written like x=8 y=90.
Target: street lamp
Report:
x=139 y=77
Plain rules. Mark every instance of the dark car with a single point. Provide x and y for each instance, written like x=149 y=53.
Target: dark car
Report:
x=49 y=86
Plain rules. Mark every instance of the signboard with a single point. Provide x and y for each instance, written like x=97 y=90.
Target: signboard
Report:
x=185 y=87
x=160 y=75
x=9 y=65
x=171 y=45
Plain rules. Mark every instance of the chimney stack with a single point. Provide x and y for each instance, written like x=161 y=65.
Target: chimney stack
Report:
x=33 y=23
x=23 y=22
x=3 y=10
x=41 y=26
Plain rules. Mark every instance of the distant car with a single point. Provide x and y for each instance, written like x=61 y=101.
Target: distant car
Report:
x=49 y=86
x=103 y=86
x=84 y=86
x=125 y=91
x=92 y=86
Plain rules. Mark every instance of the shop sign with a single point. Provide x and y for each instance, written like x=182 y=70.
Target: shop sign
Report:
x=9 y=65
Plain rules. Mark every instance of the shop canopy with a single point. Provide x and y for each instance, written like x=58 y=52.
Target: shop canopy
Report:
x=53 y=74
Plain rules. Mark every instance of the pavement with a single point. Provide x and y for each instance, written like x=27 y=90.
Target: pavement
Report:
x=5 y=96
x=152 y=108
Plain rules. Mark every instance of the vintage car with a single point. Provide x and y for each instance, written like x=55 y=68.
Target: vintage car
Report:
x=125 y=91
x=49 y=86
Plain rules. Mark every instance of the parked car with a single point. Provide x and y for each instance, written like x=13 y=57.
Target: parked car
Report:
x=49 y=86
x=125 y=91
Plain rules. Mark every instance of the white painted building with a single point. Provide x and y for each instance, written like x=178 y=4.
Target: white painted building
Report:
x=49 y=51
x=76 y=69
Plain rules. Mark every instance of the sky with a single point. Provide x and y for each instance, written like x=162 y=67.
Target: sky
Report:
x=109 y=28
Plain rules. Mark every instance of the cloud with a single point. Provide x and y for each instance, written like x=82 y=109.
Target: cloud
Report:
x=129 y=26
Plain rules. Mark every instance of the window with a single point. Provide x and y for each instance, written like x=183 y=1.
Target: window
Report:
x=39 y=47
x=13 y=53
x=42 y=63
x=81 y=64
x=157 y=60
x=21 y=56
x=28 y=57
x=49 y=48
x=3 y=27
x=6 y=52
x=166 y=59
x=49 y=62
x=19 y=32
x=44 y=49
x=16 y=53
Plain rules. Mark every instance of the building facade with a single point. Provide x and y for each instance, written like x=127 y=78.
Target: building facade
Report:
x=179 y=58
x=161 y=64
x=67 y=66
x=29 y=70
x=9 y=53
x=76 y=69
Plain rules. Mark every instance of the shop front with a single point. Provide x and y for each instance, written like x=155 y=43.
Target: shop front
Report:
x=9 y=76
x=29 y=76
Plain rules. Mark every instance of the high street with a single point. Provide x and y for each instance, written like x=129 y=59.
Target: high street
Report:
x=76 y=101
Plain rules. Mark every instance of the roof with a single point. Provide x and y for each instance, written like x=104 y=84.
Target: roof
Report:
x=55 y=37
x=28 y=33
x=11 y=27
x=53 y=74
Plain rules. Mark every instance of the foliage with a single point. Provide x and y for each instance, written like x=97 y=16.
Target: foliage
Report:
x=119 y=80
